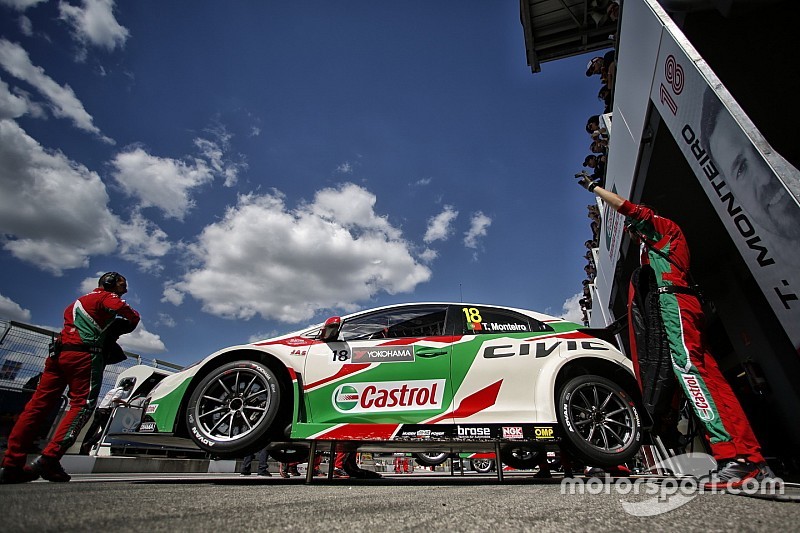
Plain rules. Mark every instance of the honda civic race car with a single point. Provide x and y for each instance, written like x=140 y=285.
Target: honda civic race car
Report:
x=448 y=377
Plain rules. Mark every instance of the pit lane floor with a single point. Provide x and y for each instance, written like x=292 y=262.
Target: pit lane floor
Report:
x=399 y=502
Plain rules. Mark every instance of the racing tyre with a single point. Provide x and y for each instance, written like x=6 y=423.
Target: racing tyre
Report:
x=431 y=458
x=600 y=421
x=521 y=458
x=482 y=466
x=290 y=455
x=231 y=410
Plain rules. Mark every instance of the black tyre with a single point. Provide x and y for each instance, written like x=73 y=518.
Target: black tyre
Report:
x=521 y=458
x=431 y=458
x=600 y=421
x=231 y=411
x=482 y=466
x=290 y=455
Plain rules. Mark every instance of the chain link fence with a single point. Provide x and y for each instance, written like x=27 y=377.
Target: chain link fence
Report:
x=23 y=350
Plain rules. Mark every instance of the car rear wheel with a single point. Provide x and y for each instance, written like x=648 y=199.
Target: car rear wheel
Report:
x=431 y=458
x=600 y=420
x=482 y=466
x=231 y=411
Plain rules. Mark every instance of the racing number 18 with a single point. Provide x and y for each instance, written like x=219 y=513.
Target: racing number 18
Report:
x=473 y=314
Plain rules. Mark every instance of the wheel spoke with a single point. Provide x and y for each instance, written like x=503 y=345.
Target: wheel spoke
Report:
x=220 y=421
x=218 y=409
x=219 y=380
x=605 y=402
x=212 y=398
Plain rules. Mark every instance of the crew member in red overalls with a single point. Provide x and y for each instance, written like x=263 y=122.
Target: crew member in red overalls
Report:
x=87 y=336
x=664 y=248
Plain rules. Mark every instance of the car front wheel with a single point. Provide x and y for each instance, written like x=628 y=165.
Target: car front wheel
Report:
x=230 y=412
x=600 y=420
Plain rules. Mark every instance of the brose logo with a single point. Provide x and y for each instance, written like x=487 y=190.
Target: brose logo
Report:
x=389 y=396
x=698 y=397
x=474 y=432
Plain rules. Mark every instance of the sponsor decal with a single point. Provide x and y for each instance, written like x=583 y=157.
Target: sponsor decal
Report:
x=147 y=427
x=494 y=326
x=514 y=432
x=386 y=396
x=151 y=409
x=389 y=354
x=201 y=438
x=473 y=432
x=701 y=404
x=543 y=433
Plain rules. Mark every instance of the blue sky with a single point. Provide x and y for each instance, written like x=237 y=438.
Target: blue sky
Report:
x=253 y=167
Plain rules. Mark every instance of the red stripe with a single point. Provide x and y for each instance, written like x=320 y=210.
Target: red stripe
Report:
x=360 y=432
x=474 y=403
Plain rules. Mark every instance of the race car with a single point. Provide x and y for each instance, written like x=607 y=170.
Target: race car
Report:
x=448 y=377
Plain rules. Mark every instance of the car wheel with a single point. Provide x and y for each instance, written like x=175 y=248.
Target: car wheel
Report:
x=231 y=410
x=431 y=458
x=290 y=455
x=482 y=466
x=521 y=458
x=600 y=420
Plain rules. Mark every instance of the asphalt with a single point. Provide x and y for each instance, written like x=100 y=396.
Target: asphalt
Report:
x=416 y=502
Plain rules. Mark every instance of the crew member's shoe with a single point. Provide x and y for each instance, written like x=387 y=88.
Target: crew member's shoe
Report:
x=733 y=475
x=50 y=469
x=293 y=471
x=339 y=473
x=265 y=474
x=245 y=473
x=284 y=474
x=360 y=473
x=16 y=474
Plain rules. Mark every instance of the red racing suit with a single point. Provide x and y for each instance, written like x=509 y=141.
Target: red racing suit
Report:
x=80 y=366
x=713 y=401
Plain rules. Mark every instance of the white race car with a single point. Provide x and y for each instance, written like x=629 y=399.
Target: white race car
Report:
x=447 y=377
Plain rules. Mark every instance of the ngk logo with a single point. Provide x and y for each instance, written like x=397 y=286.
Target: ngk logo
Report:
x=514 y=432
x=389 y=396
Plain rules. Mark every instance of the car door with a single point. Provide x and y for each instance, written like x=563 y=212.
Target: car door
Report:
x=390 y=365
x=494 y=365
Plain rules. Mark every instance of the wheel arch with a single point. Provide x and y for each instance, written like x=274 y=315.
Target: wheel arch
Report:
x=598 y=367
x=266 y=358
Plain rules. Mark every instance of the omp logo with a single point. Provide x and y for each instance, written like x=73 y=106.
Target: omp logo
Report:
x=512 y=432
x=389 y=396
x=345 y=398
x=543 y=433
x=701 y=404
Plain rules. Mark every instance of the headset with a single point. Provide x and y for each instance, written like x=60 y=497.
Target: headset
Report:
x=109 y=280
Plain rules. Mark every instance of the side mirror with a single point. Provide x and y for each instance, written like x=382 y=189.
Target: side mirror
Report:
x=330 y=330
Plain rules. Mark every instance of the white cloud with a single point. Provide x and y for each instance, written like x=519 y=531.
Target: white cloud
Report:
x=166 y=320
x=142 y=242
x=215 y=152
x=25 y=26
x=94 y=23
x=422 y=182
x=265 y=259
x=478 y=228
x=439 y=226
x=21 y=5
x=63 y=102
x=160 y=182
x=11 y=105
x=428 y=255
x=345 y=168
x=173 y=296
x=11 y=310
x=571 y=309
x=53 y=211
x=142 y=341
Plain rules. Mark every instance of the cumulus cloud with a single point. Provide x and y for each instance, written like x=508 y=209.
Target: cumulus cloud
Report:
x=428 y=255
x=11 y=310
x=141 y=341
x=440 y=226
x=63 y=102
x=163 y=183
x=11 y=105
x=172 y=295
x=215 y=152
x=53 y=211
x=93 y=23
x=478 y=228
x=142 y=242
x=571 y=309
x=20 y=5
x=266 y=259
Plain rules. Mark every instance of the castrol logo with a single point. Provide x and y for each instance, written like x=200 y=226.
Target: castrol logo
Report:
x=389 y=396
x=698 y=397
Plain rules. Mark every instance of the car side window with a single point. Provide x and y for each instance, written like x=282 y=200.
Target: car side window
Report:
x=477 y=320
x=417 y=321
